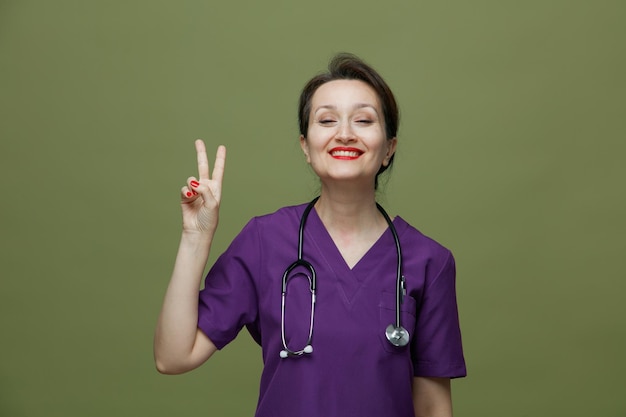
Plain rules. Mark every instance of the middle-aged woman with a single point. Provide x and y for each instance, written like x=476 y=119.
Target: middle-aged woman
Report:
x=366 y=322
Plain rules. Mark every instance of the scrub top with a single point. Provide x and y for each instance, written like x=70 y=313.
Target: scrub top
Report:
x=353 y=370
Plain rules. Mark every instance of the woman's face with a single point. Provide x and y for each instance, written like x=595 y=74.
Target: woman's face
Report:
x=346 y=136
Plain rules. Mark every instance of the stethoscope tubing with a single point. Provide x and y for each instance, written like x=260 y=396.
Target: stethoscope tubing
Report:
x=312 y=287
x=400 y=284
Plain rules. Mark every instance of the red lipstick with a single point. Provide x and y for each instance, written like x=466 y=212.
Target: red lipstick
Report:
x=345 y=153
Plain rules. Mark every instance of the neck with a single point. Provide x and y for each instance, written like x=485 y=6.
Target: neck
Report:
x=349 y=210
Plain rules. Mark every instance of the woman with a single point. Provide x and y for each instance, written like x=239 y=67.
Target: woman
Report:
x=332 y=357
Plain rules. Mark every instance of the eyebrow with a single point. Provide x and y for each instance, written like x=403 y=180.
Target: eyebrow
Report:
x=356 y=107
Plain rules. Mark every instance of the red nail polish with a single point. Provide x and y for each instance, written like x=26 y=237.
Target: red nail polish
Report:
x=189 y=194
x=195 y=193
x=194 y=183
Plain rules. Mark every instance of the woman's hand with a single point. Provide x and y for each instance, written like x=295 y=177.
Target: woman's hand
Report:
x=201 y=196
x=179 y=345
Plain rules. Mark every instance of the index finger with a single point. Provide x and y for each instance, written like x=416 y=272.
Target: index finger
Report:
x=203 y=161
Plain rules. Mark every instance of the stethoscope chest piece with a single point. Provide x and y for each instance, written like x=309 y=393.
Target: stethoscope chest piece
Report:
x=397 y=336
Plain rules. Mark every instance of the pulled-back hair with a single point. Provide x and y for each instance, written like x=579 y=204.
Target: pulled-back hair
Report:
x=346 y=66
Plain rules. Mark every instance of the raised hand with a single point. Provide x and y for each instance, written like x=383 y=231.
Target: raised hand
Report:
x=201 y=196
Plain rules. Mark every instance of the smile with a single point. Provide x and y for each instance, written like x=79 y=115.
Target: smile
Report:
x=345 y=153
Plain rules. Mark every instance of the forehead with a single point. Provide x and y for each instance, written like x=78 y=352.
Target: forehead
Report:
x=345 y=92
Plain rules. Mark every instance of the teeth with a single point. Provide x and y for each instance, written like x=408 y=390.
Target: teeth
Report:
x=346 y=153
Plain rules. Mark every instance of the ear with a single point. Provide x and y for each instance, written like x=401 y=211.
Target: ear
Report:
x=391 y=149
x=305 y=148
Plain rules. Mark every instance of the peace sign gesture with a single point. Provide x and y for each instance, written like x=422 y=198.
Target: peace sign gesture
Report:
x=201 y=196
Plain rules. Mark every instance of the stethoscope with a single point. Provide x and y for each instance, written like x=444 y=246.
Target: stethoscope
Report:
x=395 y=333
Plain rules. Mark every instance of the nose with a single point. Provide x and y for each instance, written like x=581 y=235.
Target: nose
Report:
x=345 y=133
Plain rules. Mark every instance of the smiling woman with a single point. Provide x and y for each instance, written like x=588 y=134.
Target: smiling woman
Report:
x=347 y=125
x=331 y=346
x=348 y=67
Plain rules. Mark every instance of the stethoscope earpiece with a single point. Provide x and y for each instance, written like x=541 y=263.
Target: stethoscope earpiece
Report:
x=285 y=353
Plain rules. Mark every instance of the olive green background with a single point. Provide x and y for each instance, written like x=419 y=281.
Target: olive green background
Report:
x=511 y=153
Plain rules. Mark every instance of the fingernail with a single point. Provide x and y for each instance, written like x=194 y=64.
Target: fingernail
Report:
x=195 y=193
x=194 y=183
x=189 y=194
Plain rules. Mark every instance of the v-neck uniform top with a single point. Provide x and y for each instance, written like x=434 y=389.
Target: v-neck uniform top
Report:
x=353 y=370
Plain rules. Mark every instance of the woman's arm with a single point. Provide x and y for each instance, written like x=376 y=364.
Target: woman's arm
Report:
x=179 y=346
x=432 y=397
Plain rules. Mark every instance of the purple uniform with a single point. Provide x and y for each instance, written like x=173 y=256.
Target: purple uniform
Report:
x=353 y=370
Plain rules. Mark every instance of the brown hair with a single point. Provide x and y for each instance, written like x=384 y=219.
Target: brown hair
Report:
x=346 y=66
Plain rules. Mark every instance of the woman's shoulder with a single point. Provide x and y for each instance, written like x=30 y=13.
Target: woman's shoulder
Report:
x=281 y=215
x=413 y=238
x=270 y=228
x=283 y=219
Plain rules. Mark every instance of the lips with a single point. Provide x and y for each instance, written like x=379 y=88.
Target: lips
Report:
x=345 y=153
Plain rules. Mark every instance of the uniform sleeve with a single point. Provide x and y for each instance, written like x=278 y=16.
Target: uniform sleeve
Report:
x=229 y=301
x=437 y=350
